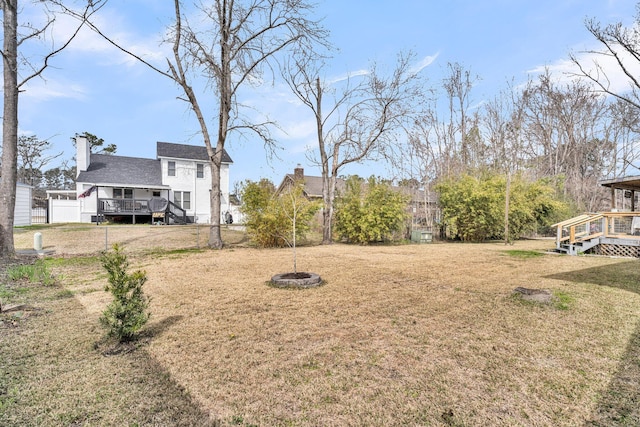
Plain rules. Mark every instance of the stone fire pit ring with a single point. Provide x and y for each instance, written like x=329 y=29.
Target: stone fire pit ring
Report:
x=296 y=280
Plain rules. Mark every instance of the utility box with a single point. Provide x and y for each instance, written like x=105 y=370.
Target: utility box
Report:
x=421 y=236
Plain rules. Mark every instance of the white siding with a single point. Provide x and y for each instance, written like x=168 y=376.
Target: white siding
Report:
x=22 y=211
x=88 y=205
x=186 y=179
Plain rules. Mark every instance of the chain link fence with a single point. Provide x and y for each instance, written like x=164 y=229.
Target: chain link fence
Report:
x=92 y=239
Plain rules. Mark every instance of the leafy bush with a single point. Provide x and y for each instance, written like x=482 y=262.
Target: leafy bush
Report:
x=473 y=208
x=270 y=217
x=127 y=313
x=370 y=212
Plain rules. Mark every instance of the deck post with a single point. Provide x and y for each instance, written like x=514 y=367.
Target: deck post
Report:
x=572 y=234
x=613 y=199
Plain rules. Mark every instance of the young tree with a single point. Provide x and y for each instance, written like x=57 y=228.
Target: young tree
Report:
x=357 y=122
x=240 y=44
x=127 y=313
x=16 y=39
x=276 y=220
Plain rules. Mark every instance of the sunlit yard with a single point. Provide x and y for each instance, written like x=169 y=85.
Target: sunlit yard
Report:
x=398 y=335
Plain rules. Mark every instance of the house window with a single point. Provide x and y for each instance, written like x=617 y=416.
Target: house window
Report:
x=156 y=193
x=199 y=170
x=182 y=199
x=172 y=169
x=123 y=193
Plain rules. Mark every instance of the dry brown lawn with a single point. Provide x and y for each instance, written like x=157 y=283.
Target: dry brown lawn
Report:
x=413 y=335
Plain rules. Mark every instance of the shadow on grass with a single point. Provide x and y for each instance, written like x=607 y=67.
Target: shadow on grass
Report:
x=55 y=377
x=154 y=330
x=619 y=405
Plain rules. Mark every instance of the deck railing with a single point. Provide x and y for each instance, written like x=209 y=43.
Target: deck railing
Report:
x=622 y=225
x=124 y=206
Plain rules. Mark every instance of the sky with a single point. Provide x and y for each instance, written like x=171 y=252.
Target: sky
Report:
x=92 y=87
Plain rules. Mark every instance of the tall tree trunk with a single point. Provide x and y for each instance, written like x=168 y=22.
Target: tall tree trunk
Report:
x=328 y=197
x=215 y=235
x=507 y=239
x=9 y=128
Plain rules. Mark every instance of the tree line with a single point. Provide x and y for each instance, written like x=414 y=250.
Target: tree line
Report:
x=571 y=133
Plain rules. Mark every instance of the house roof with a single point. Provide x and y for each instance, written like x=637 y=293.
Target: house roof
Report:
x=184 y=151
x=313 y=188
x=624 y=183
x=312 y=184
x=20 y=184
x=121 y=170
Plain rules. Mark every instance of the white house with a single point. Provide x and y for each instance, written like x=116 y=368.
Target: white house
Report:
x=172 y=188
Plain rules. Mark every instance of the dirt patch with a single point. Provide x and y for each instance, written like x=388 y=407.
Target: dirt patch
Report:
x=541 y=296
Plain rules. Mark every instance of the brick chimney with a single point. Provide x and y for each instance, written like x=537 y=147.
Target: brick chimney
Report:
x=298 y=173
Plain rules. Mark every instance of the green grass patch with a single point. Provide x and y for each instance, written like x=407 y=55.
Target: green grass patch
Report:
x=8 y=293
x=64 y=293
x=563 y=301
x=71 y=261
x=519 y=253
x=34 y=273
x=157 y=251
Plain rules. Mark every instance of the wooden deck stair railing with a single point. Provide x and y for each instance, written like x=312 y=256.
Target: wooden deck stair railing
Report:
x=579 y=234
x=586 y=231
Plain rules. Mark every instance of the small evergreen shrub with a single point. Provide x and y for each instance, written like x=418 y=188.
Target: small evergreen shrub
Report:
x=127 y=313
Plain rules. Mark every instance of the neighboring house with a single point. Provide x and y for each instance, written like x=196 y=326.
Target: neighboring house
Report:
x=172 y=188
x=312 y=184
x=22 y=210
x=423 y=206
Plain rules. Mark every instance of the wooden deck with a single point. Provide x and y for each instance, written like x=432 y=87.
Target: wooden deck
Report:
x=603 y=233
x=111 y=208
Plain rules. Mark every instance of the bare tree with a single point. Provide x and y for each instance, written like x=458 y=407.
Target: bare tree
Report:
x=18 y=69
x=503 y=124
x=32 y=158
x=568 y=128
x=238 y=43
x=359 y=120
x=458 y=85
x=621 y=46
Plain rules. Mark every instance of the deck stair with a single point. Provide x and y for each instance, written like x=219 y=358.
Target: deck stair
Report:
x=607 y=233
x=580 y=234
x=176 y=214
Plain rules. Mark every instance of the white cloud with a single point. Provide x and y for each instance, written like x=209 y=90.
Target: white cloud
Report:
x=348 y=75
x=565 y=70
x=39 y=90
x=88 y=42
x=425 y=62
